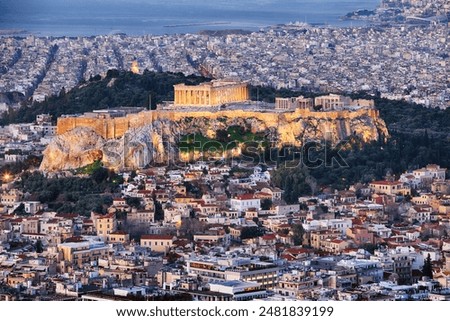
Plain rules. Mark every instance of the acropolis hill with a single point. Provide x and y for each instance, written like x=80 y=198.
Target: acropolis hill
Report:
x=132 y=138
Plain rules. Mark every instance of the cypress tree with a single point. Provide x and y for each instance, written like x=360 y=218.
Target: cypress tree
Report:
x=427 y=269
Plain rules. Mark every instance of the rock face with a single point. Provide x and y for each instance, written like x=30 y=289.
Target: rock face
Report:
x=74 y=149
x=156 y=136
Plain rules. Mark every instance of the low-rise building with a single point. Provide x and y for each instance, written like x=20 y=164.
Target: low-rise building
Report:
x=105 y=225
x=390 y=188
x=84 y=252
x=244 y=202
x=240 y=290
x=157 y=243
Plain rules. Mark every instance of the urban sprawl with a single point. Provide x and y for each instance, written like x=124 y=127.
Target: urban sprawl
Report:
x=399 y=60
x=222 y=231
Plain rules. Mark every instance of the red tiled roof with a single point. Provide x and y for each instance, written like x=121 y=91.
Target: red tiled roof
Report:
x=106 y=216
x=386 y=183
x=288 y=257
x=284 y=225
x=269 y=237
x=247 y=196
x=156 y=237
x=297 y=251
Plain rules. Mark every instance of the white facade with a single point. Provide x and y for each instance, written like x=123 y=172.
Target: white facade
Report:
x=240 y=290
x=335 y=224
x=244 y=203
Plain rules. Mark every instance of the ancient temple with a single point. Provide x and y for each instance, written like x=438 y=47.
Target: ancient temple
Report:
x=214 y=93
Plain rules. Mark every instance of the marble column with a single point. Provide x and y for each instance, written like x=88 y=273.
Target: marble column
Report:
x=203 y=97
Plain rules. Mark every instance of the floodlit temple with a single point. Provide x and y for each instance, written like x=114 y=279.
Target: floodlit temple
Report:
x=326 y=103
x=214 y=93
x=293 y=103
x=333 y=102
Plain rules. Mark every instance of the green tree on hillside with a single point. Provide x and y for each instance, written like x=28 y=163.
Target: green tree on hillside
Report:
x=427 y=269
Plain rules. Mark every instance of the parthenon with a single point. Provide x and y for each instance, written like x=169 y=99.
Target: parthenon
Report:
x=214 y=93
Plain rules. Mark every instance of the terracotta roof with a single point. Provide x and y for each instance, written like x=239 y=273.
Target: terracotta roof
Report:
x=386 y=183
x=284 y=225
x=156 y=237
x=247 y=196
x=106 y=216
x=269 y=237
x=288 y=257
x=297 y=251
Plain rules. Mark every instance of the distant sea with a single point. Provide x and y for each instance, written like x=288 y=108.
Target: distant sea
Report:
x=139 y=17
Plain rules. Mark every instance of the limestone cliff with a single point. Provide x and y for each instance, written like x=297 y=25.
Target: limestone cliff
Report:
x=77 y=148
x=136 y=140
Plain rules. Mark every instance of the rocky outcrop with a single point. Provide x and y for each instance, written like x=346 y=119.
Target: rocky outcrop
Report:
x=155 y=137
x=74 y=149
